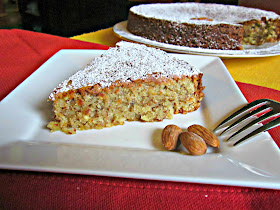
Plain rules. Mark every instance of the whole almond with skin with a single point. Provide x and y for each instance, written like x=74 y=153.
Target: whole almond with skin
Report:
x=210 y=138
x=170 y=137
x=193 y=143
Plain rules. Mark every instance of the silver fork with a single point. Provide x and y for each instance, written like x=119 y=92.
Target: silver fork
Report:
x=267 y=109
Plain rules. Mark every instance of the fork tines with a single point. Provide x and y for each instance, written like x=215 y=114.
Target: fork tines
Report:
x=264 y=109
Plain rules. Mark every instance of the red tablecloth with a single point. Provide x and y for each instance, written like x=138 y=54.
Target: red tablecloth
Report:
x=21 y=53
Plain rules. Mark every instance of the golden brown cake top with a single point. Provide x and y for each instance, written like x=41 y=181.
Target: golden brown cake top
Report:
x=125 y=63
x=199 y=13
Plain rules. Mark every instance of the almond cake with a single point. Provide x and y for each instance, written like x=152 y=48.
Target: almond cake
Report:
x=129 y=82
x=209 y=26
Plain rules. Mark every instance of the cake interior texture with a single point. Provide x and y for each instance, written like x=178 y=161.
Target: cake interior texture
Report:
x=151 y=87
x=258 y=32
x=211 y=26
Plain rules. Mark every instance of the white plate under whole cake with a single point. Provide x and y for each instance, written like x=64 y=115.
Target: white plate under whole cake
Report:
x=132 y=150
x=265 y=50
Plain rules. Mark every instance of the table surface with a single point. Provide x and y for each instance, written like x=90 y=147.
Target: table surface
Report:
x=256 y=77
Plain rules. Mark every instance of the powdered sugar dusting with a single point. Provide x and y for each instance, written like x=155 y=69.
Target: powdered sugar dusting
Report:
x=126 y=62
x=187 y=12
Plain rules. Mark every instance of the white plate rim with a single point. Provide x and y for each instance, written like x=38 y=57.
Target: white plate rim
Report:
x=121 y=31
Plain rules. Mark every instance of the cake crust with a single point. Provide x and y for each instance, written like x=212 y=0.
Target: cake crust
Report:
x=186 y=34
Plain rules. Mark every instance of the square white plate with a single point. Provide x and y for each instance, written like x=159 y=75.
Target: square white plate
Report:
x=134 y=149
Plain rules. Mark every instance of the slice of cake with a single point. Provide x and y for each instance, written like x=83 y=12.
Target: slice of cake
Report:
x=210 y=26
x=130 y=82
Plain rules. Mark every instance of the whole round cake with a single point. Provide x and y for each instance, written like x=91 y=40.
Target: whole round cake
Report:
x=212 y=26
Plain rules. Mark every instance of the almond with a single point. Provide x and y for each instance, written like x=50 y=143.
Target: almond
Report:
x=210 y=138
x=193 y=143
x=170 y=137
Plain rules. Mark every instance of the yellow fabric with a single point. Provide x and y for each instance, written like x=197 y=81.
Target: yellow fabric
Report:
x=257 y=71
x=104 y=36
